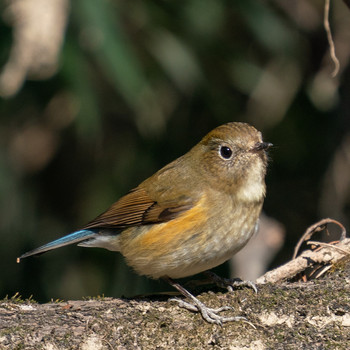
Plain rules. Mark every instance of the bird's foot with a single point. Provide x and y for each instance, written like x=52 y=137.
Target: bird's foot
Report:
x=230 y=283
x=209 y=314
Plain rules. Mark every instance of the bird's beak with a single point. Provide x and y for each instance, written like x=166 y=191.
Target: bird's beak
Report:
x=259 y=146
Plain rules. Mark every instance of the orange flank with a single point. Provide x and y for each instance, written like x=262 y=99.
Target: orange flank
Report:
x=179 y=228
x=165 y=238
x=182 y=228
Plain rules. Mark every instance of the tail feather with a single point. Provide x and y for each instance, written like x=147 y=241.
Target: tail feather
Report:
x=72 y=238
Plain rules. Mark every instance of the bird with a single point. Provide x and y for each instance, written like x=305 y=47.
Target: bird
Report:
x=190 y=216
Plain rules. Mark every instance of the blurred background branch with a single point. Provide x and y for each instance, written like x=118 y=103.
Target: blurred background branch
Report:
x=98 y=94
x=38 y=33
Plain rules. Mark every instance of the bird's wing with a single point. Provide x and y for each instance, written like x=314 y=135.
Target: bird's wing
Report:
x=137 y=208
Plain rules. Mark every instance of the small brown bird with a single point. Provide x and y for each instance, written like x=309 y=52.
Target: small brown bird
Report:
x=190 y=216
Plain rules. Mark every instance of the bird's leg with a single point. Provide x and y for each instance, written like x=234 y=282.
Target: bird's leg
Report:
x=229 y=283
x=209 y=314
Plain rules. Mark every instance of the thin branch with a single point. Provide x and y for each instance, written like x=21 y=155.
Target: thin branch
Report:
x=330 y=39
x=332 y=246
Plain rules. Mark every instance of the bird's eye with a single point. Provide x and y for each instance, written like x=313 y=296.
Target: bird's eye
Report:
x=225 y=152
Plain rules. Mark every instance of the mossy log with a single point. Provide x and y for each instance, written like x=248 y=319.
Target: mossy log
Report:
x=286 y=315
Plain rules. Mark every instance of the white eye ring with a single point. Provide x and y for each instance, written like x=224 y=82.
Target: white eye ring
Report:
x=225 y=152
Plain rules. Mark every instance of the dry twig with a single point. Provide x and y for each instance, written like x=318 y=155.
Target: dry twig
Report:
x=320 y=260
x=319 y=226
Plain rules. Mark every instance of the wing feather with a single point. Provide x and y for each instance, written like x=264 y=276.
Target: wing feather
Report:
x=137 y=208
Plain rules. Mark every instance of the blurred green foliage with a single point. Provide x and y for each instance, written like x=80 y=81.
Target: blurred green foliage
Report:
x=138 y=84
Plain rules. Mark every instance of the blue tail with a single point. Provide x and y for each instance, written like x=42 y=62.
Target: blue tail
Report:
x=72 y=238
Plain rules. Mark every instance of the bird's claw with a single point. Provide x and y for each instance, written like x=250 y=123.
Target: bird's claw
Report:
x=209 y=314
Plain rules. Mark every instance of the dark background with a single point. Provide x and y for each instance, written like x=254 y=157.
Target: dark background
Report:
x=137 y=83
